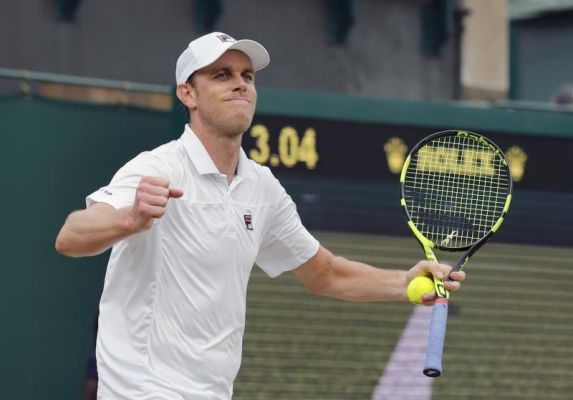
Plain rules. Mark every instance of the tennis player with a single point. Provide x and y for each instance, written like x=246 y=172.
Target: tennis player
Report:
x=187 y=221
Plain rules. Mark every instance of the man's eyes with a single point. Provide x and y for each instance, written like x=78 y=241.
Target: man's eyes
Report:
x=222 y=75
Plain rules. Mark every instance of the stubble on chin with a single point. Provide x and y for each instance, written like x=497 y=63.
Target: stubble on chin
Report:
x=236 y=124
x=236 y=128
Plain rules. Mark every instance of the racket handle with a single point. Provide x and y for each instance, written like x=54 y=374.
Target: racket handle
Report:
x=433 y=365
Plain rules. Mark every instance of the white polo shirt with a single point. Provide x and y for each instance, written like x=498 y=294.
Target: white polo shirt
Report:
x=172 y=311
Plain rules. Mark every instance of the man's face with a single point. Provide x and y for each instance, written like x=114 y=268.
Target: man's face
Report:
x=224 y=94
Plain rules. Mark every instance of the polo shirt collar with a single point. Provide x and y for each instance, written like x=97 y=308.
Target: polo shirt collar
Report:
x=203 y=161
x=244 y=169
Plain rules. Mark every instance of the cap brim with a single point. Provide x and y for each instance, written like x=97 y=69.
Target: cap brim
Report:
x=255 y=51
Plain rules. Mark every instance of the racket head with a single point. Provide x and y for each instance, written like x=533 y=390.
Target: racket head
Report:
x=455 y=189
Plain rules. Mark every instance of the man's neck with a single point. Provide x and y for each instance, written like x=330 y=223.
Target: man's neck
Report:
x=223 y=150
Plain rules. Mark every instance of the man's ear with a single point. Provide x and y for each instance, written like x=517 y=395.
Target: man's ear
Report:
x=187 y=94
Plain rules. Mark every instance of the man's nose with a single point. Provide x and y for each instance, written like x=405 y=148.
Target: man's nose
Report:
x=239 y=83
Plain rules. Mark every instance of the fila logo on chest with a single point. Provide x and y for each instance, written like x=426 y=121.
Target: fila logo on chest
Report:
x=248 y=218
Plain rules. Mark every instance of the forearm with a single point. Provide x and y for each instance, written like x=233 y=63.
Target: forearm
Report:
x=332 y=276
x=355 y=281
x=338 y=277
x=92 y=231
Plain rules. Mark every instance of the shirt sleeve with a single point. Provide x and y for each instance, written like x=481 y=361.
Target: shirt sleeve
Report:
x=287 y=243
x=120 y=192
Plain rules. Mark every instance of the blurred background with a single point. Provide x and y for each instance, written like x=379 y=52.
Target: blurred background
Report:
x=353 y=84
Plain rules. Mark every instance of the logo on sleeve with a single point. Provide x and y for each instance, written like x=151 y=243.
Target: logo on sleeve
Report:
x=248 y=218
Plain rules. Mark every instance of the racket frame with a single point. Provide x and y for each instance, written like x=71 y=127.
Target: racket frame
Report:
x=436 y=339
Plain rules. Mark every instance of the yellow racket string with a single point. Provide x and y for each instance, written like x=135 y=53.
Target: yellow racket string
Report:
x=455 y=189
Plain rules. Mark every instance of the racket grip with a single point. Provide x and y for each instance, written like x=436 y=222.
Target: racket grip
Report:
x=433 y=365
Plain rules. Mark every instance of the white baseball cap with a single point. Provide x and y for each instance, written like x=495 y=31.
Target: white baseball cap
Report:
x=207 y=49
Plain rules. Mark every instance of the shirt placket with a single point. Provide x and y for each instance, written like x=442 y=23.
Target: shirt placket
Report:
x=229 y=212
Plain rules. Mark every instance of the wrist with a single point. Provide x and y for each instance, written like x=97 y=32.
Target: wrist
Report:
x=406 y=278
x=128 y=222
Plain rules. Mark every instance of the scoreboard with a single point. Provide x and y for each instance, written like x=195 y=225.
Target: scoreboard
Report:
x=348 y=149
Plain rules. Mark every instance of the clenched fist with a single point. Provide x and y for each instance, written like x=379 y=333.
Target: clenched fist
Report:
x=151 y=199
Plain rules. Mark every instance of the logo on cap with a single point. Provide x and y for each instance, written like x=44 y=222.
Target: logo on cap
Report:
x=225 y=38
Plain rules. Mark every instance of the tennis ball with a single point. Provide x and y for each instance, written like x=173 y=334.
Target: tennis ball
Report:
x=419 y=286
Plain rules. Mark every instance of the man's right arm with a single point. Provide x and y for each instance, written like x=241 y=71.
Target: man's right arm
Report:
x=94 y=230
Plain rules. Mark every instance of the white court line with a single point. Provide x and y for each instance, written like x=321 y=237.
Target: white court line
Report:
x=403 y=378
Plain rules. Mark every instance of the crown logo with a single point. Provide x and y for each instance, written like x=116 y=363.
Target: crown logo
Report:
x=395 y=149
x=516 y=159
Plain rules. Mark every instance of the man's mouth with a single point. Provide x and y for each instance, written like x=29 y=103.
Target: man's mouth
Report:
x=240 y=99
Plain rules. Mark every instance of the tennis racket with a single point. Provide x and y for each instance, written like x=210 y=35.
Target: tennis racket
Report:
x=456 y=189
